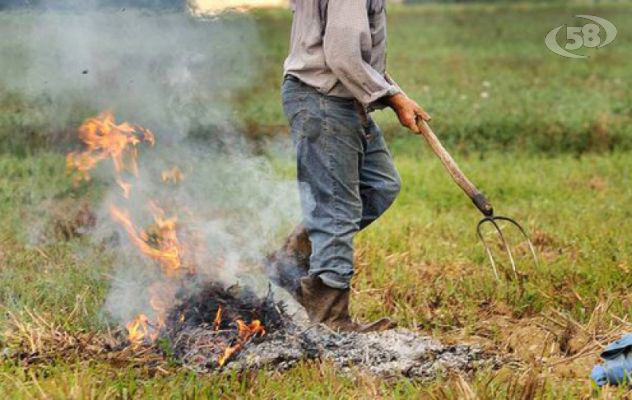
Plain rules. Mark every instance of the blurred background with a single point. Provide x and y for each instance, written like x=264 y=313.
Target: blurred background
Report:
x=464 y=62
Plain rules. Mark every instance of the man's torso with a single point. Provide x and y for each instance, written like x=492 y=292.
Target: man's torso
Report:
x=306 y=59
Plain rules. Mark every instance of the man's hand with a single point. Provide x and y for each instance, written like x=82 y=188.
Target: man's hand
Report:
x=407 y=111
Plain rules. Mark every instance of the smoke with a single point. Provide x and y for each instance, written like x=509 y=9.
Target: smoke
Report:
x=230 y=205
x=166 y=70
x=94 y=4
x=172 y=74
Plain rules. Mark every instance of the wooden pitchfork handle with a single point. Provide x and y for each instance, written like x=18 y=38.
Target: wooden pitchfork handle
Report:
x=478 y=198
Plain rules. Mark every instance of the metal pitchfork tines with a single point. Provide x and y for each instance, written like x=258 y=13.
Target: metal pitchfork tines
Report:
x=479 y=200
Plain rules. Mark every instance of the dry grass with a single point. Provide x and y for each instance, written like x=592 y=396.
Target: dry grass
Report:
x=34 y=340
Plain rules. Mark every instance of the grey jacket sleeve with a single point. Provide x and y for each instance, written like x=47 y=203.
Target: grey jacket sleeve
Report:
x=381 y=103
x=347 y=33
x=390 y=80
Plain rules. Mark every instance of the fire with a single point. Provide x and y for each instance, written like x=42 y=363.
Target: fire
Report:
x=245 y=332
x=161 y=244
x=105 y=139
x=218 y=318
x=138 y=329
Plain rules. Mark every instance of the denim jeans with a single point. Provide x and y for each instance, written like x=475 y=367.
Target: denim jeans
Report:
x=346 y=175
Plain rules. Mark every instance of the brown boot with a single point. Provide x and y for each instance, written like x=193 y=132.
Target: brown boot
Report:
x=330 y=306
x=290 y=263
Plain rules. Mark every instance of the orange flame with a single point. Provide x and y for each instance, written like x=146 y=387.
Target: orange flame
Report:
x=218 y=319
x=138 y=329
x=245 y=333
x=104 y=139
x=107 y=139
x=166 y=247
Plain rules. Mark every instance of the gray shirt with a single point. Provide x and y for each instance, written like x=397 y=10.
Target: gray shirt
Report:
x=339 y=48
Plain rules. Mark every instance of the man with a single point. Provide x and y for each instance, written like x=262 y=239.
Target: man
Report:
x=334 y=75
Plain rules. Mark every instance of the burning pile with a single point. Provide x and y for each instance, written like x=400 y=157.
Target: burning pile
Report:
x=198 y=340
x=214 y=319
x=161 y=242
x=210 y=326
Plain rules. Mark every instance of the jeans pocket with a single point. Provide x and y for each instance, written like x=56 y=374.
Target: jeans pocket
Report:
x=293 y=96
x=292 y=106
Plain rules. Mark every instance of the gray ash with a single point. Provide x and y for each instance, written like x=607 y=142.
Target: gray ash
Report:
x=199 y=343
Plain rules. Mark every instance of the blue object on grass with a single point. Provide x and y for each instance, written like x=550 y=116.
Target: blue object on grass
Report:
x=617 y=366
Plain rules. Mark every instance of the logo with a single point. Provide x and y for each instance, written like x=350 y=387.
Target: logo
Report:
x=581 y=36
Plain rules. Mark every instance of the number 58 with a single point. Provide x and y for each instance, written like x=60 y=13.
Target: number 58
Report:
x=589 y=36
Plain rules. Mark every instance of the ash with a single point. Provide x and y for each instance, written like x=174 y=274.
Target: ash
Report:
x=393 y=353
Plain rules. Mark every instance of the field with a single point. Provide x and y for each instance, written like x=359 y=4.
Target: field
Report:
x=547 y=138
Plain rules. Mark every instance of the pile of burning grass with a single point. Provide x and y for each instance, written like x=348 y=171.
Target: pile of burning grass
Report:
x=222 y=321
x=213 y=327
x=233 y=329
x=220 y=329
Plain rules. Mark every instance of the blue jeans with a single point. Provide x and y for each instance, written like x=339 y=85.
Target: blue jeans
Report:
x=346 y=175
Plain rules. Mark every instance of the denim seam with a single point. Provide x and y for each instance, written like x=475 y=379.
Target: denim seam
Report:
x=330 y=162
x=330 y=157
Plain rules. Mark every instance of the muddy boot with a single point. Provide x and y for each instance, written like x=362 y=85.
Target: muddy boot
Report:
x=290 y=263
x=331 y=307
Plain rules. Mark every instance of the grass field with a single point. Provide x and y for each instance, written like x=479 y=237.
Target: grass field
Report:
x=549 y=142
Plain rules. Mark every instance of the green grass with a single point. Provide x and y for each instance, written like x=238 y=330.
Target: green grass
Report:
x=550 y=146
x=421 y=264
x=445 y=57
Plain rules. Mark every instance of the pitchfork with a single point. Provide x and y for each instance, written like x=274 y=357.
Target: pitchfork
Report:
x=478 y=198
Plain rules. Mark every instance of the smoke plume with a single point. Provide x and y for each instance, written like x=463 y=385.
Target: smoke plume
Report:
x=173 y=74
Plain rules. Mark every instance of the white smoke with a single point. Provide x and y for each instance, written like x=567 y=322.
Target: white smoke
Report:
x=235 y=204
x=165 y=71
x=172 y=74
